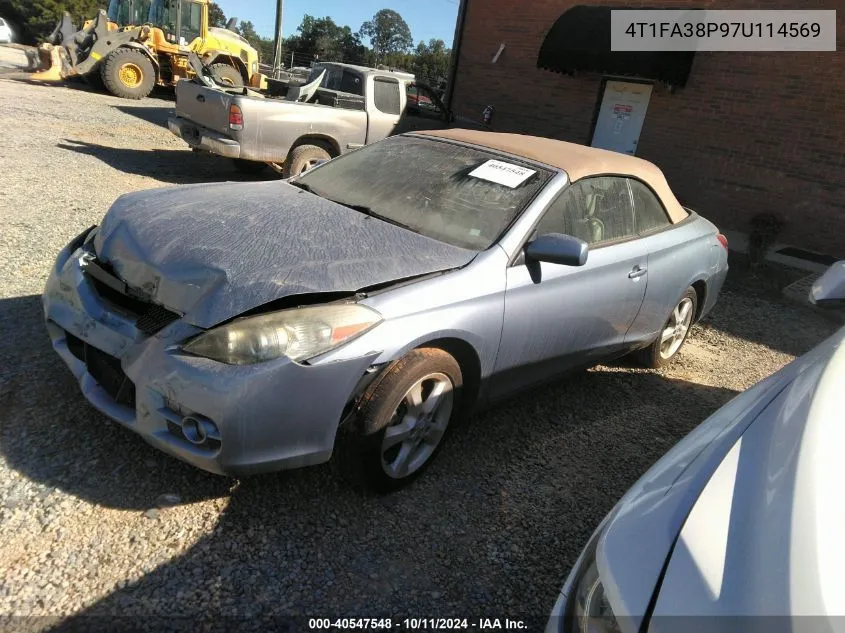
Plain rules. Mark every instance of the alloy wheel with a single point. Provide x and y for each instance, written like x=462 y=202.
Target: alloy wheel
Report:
x=676 y=329
x=417 y=425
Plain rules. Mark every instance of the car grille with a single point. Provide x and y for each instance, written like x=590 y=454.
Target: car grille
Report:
x=150 y=318
x=105 y=369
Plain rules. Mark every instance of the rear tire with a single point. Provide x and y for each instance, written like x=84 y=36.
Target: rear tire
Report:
x=227 y=75
x=302 y=159
x=392 y=441
x=673 y=335
x=128 y=73
x=249 y=166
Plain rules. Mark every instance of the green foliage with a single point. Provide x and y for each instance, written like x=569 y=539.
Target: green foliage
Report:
x=321 y=36
x=388 y=33
x=431 y=62
x=38 y=18
x=216 y=17
x=263 y=45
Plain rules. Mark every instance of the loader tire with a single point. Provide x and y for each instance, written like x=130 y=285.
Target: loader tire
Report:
x=226 y=75
x=128 y=73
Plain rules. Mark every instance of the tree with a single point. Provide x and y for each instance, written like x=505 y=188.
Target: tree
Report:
x=216 y=17
x=388 y=33
x=38 y=18
x=321 y=36
x=431 y=62
x=263 y=45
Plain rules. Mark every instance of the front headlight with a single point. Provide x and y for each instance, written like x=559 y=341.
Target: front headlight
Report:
x=590 y=610
x=299 y=334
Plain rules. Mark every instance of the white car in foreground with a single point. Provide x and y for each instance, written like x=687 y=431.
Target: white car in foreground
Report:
x=5 y=32
x=743 y=518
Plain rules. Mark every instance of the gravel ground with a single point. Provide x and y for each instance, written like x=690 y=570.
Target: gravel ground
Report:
x=93 y=522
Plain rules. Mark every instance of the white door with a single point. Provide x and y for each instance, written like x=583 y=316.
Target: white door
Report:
x=621 y=116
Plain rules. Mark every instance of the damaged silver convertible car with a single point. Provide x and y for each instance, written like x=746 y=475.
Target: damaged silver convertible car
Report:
x=362 y=307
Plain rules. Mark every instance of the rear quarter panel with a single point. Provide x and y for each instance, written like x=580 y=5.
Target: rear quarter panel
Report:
x=273 y=126
x=677 y=258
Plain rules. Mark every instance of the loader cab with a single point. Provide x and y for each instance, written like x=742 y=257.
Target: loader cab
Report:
x=181 y=21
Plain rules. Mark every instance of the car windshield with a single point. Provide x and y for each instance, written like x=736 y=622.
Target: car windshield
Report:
x=456 y=194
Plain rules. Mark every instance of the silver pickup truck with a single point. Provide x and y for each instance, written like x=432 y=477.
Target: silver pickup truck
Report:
x=341 y=107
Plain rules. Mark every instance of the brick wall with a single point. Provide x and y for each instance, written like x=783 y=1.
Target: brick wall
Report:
x=750 y=132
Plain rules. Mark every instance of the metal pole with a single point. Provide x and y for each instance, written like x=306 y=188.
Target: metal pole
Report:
x=277 y=61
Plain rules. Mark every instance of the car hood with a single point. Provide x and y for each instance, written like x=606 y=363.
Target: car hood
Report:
x=765 y=536
x=656 y=509
x=212 y=252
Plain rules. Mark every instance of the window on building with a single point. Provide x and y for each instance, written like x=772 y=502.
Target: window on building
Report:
x=596 y=210
x=648 y=210
x=386 y=95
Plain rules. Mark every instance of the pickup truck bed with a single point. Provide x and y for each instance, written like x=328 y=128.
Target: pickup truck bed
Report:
x=270 y=125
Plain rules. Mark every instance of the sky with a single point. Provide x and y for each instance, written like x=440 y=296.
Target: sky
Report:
x=426 y=18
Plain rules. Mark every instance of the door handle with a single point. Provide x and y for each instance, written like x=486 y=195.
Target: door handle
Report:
x=200 y=98
x=637 y=272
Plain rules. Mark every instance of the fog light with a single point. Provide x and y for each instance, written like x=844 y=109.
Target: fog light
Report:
x=198 y=430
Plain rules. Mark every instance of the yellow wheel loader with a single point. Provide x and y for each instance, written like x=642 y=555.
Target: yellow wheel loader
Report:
x=139 y=44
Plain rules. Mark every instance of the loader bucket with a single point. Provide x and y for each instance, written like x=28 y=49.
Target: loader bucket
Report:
x=52 y=64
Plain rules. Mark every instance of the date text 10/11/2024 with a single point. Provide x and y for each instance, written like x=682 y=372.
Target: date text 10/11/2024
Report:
x=417 y=623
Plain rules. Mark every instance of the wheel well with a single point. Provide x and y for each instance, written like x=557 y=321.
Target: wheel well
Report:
x=327 y=143
x=700 y=288
x=469 y=362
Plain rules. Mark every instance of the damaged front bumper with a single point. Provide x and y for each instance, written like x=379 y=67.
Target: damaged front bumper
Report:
x=200 y=137
x=232 y=420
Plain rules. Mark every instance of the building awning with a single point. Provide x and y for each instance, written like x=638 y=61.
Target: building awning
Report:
x=580 y=40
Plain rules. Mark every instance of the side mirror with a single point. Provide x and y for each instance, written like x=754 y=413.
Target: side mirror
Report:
x=829 y=289
x=231 y=24
x=556 y=248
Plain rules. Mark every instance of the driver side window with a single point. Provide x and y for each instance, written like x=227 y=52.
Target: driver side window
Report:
x=595 y=210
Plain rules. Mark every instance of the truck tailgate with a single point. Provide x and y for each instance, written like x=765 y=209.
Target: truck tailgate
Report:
x=204 y=106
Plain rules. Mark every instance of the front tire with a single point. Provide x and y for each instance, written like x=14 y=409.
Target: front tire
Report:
x=402 y=421
x=227 y=75
x=128 y=73
x=674 y=333
x=302 y=159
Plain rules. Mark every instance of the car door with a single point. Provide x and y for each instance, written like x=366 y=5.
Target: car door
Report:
x=423 y=110
x=384 y=110
x=672 y=259
x=567 y=316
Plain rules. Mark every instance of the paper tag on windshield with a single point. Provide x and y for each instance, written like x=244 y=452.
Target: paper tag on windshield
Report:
x=502 y=173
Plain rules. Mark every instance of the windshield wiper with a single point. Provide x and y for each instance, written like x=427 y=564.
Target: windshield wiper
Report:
x=301 y=185
x=362 y=208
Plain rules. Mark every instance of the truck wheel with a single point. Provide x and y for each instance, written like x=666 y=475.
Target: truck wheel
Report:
x=303 y=158
x=226 y=75
x=128 y=73
x=249 y=166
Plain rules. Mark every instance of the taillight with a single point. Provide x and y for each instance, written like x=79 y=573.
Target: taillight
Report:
x=236 y=118
x=722 y=240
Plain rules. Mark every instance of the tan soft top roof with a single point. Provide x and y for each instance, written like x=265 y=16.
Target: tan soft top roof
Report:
x=578 y=161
